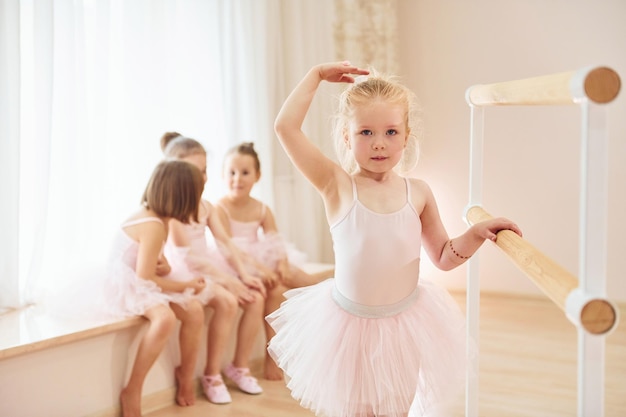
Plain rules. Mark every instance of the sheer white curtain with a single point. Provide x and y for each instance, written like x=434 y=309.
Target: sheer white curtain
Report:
x=9 y=152
x=88 y=87
x=305 y=39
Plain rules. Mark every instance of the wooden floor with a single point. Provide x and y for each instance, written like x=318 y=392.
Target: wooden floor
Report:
x=527 y=369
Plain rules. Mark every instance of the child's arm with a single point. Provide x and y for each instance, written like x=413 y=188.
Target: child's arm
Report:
x=316 y=167
x=151 y=236
x=446 y=253
x=269 y=226
x=234 y=256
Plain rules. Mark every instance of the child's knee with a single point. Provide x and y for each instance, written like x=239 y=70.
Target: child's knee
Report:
x=192 y=314
x=224 y=302
x=230 y=304
x=163 y=320
x=195 y=312
x=259 y=301
x=276 y=292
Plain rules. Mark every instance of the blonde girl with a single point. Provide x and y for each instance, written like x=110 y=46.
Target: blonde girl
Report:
x=376 y=340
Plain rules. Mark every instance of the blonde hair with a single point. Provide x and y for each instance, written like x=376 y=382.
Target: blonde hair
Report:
x=174 y=190
x=373 y=87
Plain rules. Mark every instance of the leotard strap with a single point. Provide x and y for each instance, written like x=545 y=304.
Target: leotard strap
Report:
x=355 y=197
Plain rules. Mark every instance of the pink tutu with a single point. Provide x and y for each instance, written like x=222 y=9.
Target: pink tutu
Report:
x=181 y=271
x=269 y=248
x=373 y=360
x=113 y=290
x=126 y=294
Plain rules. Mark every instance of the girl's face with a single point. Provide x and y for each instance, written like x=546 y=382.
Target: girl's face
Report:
x=199 y=160
x=240 y=174
x=377 y=135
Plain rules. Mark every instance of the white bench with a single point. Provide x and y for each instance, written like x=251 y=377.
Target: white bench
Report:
x=60 y=367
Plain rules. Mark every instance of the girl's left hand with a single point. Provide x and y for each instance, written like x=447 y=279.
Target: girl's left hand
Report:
x=489 y=228
x=197 y=284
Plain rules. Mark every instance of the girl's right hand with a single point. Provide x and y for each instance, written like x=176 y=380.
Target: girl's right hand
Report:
x=234 y=285
x=254 y=283
x=339 y=72
x=197 y=284
x=270 y=278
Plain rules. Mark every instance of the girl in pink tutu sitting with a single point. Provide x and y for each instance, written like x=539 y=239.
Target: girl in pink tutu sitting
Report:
x=139 y=282
x=252 y=227
x=233 y=286
x=376 y=340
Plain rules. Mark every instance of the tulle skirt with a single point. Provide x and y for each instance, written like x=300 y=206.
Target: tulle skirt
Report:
x=111 y=292
x=370 y=361
x=127 y=294
x=269 y=249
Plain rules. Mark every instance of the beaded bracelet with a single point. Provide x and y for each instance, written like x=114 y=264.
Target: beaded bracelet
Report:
x=455 y=252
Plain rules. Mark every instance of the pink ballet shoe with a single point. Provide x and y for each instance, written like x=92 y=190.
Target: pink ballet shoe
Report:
x=215 y=389
x=241 y=376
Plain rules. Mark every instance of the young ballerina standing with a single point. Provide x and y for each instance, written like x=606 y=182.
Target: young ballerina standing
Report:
x=373 y=340
x=135 y=285
x=270 y=256
x=188 y=251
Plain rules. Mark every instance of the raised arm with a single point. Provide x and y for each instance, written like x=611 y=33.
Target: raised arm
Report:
x=313 y=164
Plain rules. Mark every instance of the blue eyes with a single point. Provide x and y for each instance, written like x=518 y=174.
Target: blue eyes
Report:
x=390 y=132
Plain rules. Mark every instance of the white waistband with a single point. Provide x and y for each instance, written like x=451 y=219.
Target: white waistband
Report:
x=368 y=311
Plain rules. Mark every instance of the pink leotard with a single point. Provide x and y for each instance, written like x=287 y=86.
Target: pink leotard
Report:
x=377 y=254
x=245 y=232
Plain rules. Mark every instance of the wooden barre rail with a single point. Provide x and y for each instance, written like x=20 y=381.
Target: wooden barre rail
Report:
x=600 y=85
x=597 y=316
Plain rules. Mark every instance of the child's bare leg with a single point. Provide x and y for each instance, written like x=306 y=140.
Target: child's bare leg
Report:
x=224 y=305
x=274 y=297
x=191 y=321
x=249 y=326
x=162 y=322
x=300 y=278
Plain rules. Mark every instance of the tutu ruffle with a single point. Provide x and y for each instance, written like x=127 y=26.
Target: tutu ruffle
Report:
x=339 y=364
x=129 y=295
x=180 y=260
x=269 y=249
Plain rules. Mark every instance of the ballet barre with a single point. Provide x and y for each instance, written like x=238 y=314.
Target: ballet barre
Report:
x=583 y=299
x=595 y=315
x=600 y=85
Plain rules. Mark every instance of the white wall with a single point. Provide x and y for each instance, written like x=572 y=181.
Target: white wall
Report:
x=532 y=154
